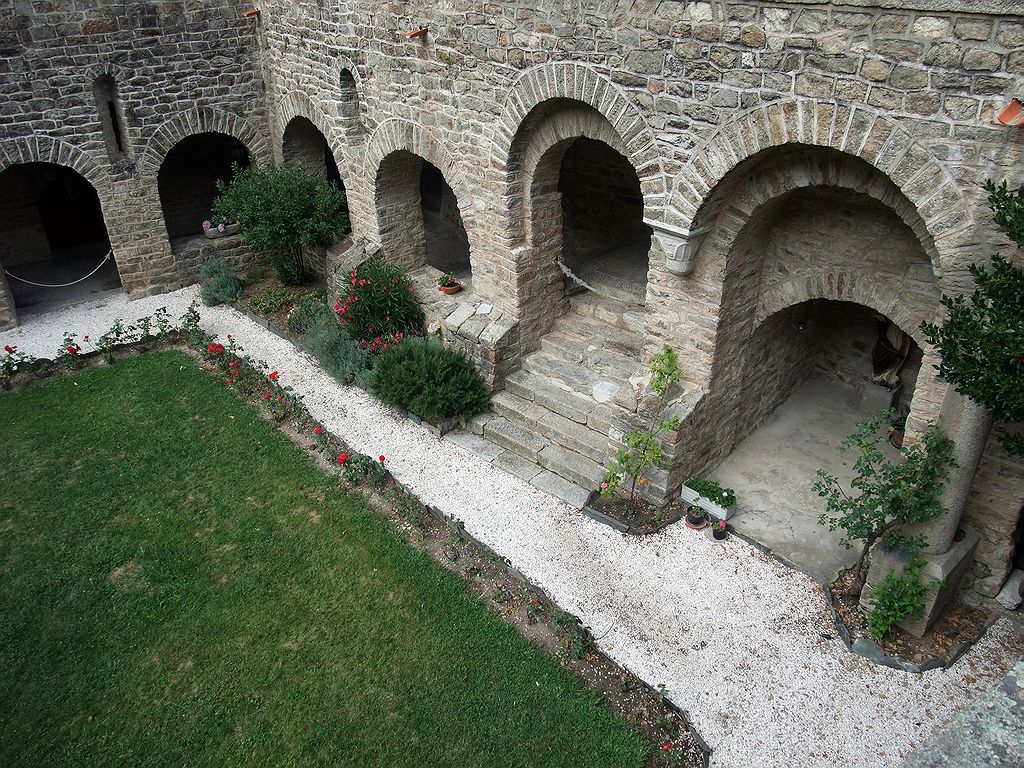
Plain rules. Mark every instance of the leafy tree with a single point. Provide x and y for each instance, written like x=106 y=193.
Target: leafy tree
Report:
x=884 y=495
x=982 y=340
x=283 y=210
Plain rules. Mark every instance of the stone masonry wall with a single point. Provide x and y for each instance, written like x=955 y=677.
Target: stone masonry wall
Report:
x=687 y=92
x=180 y=68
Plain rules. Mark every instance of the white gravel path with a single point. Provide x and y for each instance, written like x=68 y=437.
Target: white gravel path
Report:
x=731 y=633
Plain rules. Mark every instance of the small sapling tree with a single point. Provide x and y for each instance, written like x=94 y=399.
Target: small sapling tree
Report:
x=886 y=495
x=642 y=450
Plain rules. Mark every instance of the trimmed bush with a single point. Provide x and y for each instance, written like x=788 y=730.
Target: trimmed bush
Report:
x=429 y=379
x=341 y=357
x=379 y=309
x=219 y=284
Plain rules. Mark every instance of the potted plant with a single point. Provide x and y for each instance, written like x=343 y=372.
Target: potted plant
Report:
x=220 y=229
x=720 y=531
x=448 y=283
x=710 y=495
x=696 y=518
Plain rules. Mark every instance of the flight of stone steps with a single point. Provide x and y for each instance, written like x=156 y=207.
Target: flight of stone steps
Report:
x=551 y=423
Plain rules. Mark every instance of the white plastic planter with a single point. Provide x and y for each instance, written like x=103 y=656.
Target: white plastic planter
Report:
x=717 y=511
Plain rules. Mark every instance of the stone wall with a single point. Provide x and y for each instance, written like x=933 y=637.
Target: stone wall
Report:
x=180 y=68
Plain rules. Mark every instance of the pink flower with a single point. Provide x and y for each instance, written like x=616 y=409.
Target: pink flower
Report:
x=206 y=225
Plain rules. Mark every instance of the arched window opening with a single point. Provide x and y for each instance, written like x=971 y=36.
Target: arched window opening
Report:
x=111 y=122
x=188 y=178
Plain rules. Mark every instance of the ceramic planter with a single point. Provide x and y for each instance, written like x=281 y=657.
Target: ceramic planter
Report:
x=229 y=229
x=693 y=498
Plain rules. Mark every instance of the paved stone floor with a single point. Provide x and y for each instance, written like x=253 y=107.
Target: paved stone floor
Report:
x=772 y=471
x=66 y=266
x=741 y=642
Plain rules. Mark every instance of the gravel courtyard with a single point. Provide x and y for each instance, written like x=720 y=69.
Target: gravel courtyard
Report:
x=740 y=641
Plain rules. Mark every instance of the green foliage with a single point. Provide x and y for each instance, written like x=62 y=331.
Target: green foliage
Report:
x=379 y=309
x=306 y=310
x=429 y=379
x=339 y=356
x=898 y=598
x=267 y=301
x=885 y=495
x=218 y=283
x=642 y=450
x=982 y=340
x=283 y=210
x=713 y=490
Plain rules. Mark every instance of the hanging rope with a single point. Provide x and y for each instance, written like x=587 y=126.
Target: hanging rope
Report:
x=63 y=285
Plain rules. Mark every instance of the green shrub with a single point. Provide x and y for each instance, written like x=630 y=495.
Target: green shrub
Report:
x=283 y=210
x=270 y=300
x=341 y=357
x=429 y=379
x=219 y=284
x=379 y=309
x=897 y=598
x=306 y=310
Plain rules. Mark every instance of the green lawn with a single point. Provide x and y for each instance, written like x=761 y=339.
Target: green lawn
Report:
x=179 y=585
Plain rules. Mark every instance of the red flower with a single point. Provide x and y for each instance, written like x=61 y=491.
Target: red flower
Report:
x=9 y=349
x=86 y=337
x=266 y=396
x=666 y=747
x=72 y=349
x=319 y=430
x=231 y=381
x=381 y=457
x=279 y=398
x=273 y=376
x=342 y=458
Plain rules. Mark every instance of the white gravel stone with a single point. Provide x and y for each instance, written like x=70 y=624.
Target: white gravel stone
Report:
x=734 y=635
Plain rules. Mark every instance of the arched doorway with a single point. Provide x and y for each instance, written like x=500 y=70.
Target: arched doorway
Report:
x=825 y=286
x=188 y=178
x=304 y=146
x=53 y=233
x=578 y=212
x=419 y=218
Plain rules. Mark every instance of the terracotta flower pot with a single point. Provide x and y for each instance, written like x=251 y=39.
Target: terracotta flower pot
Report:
x=449 y=289
x=695 y=523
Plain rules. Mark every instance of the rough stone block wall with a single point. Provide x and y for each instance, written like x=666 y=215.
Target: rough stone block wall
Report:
x=24 y=238
x=180 y=68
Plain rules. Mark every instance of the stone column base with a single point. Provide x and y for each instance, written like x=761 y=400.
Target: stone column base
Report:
x=948 y=568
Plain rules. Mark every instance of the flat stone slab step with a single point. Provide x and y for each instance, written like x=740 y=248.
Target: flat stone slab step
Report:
x=551 y=394
x=561 y=488
x=571 y=466
x=515 y=437
x=531 y=417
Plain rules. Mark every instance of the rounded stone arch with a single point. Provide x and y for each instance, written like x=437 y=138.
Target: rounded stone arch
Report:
x=397 y=135
x=581 y=83
x=196 y=121
x=856 y=287
x=108 y=68
x=43 y=149
x=935 y=207
x=299 y=105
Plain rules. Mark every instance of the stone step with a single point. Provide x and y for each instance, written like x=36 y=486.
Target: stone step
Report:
x=558 y=486
x=551 y=394
x=515 y=437
x=609 y=311
x=532 y=417
x=572 y=467
x=597 y=384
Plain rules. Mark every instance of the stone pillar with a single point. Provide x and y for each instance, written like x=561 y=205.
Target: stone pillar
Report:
x=8 y=314
x=968 y=424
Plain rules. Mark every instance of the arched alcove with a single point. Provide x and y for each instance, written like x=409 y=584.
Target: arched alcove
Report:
x=188 y=178
x=305 y=146
x=52 y=231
